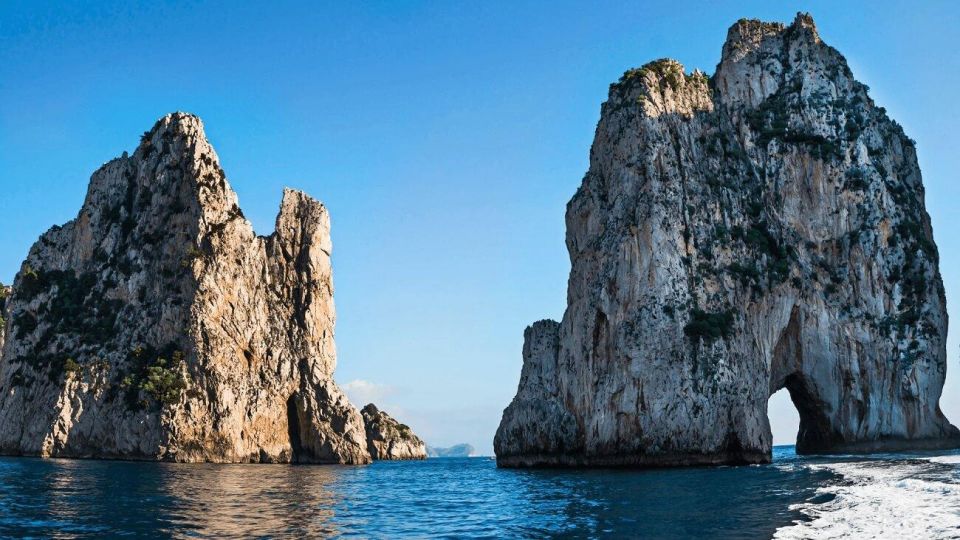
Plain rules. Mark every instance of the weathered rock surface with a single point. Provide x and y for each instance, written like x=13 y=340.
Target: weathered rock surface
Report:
x=389 y=439
x=735 y=235
x=157 y=325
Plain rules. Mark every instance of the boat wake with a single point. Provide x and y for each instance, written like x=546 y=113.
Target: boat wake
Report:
x=902 y=497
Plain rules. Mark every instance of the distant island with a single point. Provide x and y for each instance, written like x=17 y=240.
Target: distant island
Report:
x=459 y=450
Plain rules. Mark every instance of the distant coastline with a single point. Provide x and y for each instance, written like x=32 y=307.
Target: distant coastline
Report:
x=455 y=451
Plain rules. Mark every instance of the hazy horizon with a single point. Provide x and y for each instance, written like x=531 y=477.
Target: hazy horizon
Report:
x=444 y=138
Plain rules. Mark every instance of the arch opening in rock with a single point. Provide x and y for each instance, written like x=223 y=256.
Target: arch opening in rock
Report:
x=815 y=433
x=784 y=418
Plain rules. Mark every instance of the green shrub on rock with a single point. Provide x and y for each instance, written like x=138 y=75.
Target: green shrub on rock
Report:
x=709 y=326
x=157 y=377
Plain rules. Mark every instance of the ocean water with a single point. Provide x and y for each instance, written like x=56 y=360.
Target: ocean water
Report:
x=895 y=496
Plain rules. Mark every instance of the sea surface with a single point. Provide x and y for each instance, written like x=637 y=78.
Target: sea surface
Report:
x=889 y=496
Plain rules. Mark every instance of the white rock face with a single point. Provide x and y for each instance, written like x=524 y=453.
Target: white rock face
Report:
x=388 y=439
x=735 y=235
x=157 y=325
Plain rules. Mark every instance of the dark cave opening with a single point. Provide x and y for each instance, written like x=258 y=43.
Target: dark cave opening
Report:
x=814 y=434
x=293 y=430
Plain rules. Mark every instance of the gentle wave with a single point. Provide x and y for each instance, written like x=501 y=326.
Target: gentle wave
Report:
x=452 y=498
x=913 y=497
x=892 y=496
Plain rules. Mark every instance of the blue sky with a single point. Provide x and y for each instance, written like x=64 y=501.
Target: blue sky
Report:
x=444 y=137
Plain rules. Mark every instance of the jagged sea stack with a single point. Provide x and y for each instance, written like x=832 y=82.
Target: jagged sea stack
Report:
x=737 y=234
x=157 y=325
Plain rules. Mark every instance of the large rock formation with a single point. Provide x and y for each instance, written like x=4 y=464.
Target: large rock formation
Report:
x=737 y=234
x=388 y=439
x=157 y=325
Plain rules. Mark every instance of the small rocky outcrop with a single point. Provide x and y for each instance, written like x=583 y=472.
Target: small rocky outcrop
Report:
x=734 y=235
x=157 y=325
x=389 y=439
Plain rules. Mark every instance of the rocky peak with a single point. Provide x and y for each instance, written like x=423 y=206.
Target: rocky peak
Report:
x=760 y=58
x=803 y=22
x=661 y=87
x=747 y=36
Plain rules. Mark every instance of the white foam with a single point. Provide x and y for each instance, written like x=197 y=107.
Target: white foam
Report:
x=884 y=499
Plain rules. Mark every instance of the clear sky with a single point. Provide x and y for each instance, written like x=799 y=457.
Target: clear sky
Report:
x=444 y=137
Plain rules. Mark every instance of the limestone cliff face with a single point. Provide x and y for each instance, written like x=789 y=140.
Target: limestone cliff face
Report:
x=737 y=234
x=388 y=439
x=157 y=325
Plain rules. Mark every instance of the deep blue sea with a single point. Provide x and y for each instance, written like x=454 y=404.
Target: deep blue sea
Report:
x=901 y=496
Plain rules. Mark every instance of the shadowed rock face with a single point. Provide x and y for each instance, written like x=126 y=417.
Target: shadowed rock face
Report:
x=389 y=439
x=157 y=325
x=4 y=293
x=735 y=235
